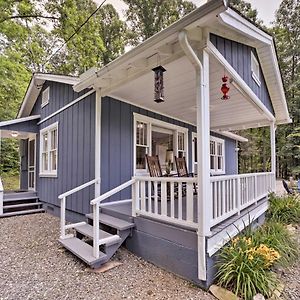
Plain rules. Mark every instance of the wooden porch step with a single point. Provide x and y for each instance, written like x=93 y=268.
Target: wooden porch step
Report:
x=21 y=205
x=22 y=212
x=19 y=199
x=112 y=221
x=82 y=250
x=104 y=237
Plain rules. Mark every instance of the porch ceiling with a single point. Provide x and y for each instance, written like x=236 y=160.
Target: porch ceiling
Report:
x=180 y=96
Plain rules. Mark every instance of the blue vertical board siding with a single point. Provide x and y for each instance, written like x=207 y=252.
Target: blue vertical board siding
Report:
x=239 y=57
x=117 y=144
x=76 y=146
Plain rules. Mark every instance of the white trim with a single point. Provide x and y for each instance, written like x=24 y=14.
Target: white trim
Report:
x=34 y=170
x=48 y=173
x=66 y=106
x=231 y=135
x=98 y=104
x=194 y=135
x=35 y=86
x=45 y=97
x=222 y=142
x=19 y=120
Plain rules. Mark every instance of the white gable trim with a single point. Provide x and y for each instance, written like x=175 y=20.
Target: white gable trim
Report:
x=231 y=135
x=35 y=86
x=19 y=120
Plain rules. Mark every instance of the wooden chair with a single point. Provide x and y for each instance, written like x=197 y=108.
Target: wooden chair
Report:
x=182 y=170
x=154 y=166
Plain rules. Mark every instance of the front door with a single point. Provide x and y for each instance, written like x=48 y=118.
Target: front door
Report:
x=31 y=164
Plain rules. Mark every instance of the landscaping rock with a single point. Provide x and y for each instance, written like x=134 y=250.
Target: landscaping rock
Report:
x=259 y=297
x=222 y=294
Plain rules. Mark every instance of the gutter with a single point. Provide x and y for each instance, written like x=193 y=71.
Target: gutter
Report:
x=161 y=36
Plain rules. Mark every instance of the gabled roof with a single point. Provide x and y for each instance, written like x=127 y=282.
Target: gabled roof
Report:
x=35 y=86
x=214 y=16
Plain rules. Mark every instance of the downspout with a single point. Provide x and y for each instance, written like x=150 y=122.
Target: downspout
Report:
x=203 y=178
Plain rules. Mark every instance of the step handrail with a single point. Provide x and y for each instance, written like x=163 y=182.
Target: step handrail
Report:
x=1 y=197
x=62 y=198
x=95 y=203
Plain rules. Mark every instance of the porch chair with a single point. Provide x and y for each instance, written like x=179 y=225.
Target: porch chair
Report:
x=154 y=166
x=288 y=190
x=182 y=170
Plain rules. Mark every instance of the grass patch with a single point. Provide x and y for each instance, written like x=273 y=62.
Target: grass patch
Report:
x=10 y=181
x=284 y=209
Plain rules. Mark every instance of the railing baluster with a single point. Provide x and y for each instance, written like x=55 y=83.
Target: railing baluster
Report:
x=96 y=230
x=155 y=197
x=143 y=196
x=189 y=202
x=164 y=198
x=149 y=196
x=180 y=201
x=172 y=199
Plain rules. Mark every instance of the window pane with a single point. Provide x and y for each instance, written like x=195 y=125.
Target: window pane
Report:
x=180 y=154
x=212 y=147
x=220 y=162
x=54 y=139
x=45 y=161
x=140 y=157
x=181 y=141
x=53 y=160
x=220 y=149
x=141 y=133
x=45 y=142
x=212 y=162
x=195 y=149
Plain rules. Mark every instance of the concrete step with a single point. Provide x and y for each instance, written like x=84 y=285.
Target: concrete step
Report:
x=112 y=222
x=22 y=212
x=83 y=251
x=21 y=205
x=104 y=237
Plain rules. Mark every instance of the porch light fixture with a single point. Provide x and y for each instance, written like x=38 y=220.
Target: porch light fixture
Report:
x=14 y=134
x=225 y=88
x=159 y=84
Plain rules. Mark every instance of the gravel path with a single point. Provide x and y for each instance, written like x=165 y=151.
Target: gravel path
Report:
x=34 y=266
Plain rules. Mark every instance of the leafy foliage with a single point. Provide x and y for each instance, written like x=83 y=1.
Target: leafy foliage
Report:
x=147 y=17
x=284 y=209
x=245 y=268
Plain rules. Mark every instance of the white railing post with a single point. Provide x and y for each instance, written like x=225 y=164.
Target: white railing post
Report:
x=255 y=188
x=239 y=196
x=273 y=154
x=96 y=230
x=63 y=218
x=134 y=201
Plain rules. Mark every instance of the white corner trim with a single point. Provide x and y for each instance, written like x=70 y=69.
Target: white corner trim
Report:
x=66 y=106
x=98 y=104
x=19 y=120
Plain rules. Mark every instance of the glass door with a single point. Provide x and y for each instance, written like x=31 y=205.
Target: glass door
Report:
x=31 y=164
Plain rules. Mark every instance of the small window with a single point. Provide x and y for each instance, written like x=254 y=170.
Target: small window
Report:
x=45 y=96
x=217 y=158
x=181 y=147
x=142 y=147
x=48 y=152
x=255 y=72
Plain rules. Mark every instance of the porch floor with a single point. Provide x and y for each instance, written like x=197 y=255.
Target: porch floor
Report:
x=125 y=209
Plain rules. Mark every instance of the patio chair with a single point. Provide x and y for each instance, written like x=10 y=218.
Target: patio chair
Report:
x=154 y=166
x=182 y=170
x=286 y=187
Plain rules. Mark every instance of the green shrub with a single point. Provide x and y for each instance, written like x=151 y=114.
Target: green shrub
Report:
x=276 y=236
x=284 y=209
x=244 y=268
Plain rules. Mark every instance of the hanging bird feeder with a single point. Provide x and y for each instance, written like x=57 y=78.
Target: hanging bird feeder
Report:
x=159 y=84
x=225 y=88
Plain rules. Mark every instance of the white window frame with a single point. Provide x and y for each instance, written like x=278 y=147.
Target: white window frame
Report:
x=48 y=130
x=45 y=96
x=255 y=69
x=217 y=141
x=163 y=125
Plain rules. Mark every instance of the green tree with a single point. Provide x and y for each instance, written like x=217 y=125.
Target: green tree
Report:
x=147 y=17
x=246 y=9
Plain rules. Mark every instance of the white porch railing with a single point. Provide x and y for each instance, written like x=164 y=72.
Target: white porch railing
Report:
x=233 y=193
x=169 y=199
x=1 y=197
x=63 y=197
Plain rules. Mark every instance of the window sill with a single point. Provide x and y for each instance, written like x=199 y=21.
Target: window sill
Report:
x=52 y=175
x=215 y=173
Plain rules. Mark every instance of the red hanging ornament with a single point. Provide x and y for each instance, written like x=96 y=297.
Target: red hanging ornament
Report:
x=225 y=88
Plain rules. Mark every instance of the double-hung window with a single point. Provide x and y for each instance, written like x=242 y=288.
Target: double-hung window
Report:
x=255 y=72
x=142 y=145
x=48 y=150
x=217 y=156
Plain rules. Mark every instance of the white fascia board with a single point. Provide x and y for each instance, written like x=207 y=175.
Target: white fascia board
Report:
x=232 y=135
x=19 y=120
x=239 y=24
x=162 y=37
x=37 y=80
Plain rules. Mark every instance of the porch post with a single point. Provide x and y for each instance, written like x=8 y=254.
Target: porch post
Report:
x=273 y=153
x=98 y=143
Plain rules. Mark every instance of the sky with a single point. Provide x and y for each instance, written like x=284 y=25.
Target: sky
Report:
x=266 y=9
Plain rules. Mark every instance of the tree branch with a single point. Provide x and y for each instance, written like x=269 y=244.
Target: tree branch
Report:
x=28 y=16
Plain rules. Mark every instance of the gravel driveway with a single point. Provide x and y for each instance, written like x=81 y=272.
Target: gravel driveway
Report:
x=33 y=265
